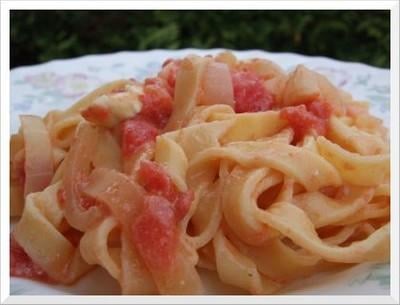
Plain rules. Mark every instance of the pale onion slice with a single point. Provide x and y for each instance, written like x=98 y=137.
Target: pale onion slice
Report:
x=77 y=168
x=38 y=154
x=217 y=85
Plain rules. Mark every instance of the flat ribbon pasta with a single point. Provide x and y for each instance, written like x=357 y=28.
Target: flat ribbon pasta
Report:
x=38 y=234
x=300 y=229
x=353 y=167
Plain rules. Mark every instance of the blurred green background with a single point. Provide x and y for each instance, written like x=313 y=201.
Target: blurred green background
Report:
x=38 y=36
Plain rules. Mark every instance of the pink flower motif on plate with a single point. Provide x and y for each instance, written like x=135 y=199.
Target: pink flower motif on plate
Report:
x=77 y=84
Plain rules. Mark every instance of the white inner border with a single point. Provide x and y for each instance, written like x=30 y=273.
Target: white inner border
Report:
x=6 y=6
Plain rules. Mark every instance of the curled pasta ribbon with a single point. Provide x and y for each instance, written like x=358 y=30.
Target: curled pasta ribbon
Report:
x=89 y=98
x=38 y=154
x=301 y=231
x=239 y=204
x=252 y=126
x=355 y=168
x=135 y=278
x=38 y=232
x=196 y=138
x=236 y=269
x=354 y=139
x=278 y=261
x=288 y=159
x=63 y=124
x=206 y=215
x=370 y=212
x=323 y=210
x=63 y=131
x=203 y=114
x=118 y=257
x=109 y=156
x=32 y=161
x=295 y=223
x=77 y=168
x=95 y=249
x=169 y=154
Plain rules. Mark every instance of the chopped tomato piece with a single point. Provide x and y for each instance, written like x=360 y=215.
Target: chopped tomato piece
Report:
x=302 y=121
x=157 y=181
x=21 y=265
x=304 y=118
x=320 y=109
x=250 y=93
x=96 y=113
x=155 y=234
x=134 y=133
x=156 y=102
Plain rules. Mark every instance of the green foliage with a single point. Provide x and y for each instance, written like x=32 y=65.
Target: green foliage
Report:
x=38 y=36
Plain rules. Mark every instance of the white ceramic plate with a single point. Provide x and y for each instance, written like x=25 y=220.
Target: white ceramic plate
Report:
x=57 y=84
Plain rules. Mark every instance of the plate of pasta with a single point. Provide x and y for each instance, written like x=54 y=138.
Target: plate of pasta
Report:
x=200 y=172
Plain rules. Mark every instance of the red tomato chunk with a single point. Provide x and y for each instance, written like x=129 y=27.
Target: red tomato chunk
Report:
x=21 y=265
x=304 y=118
x=135 y=132
x=157 y=102
x=320 y=109
x=157 y=181
x=96 y=113
x=249 y=93
x=155 y=234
